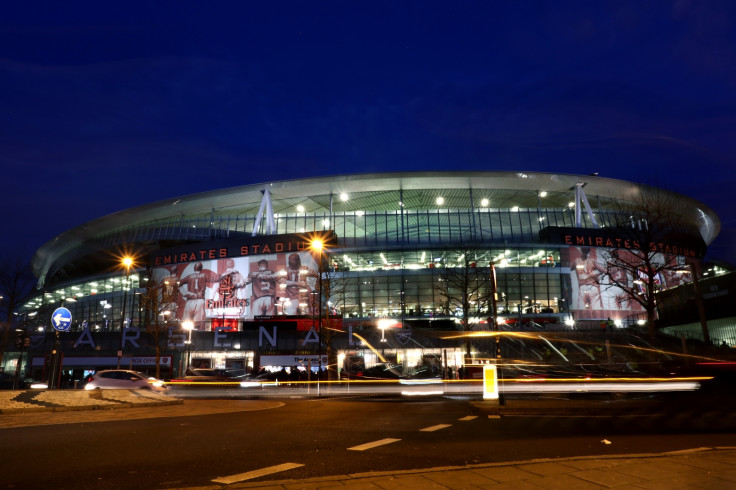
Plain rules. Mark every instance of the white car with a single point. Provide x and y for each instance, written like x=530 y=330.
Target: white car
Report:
x=121 y=379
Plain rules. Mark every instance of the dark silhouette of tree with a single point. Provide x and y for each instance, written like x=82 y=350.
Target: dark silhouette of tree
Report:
x=156 y=307
x=465 y=284
x=334 y=295
x=649 y=227
x=16 y=285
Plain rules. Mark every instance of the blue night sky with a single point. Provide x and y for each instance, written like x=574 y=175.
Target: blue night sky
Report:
x=106 y=106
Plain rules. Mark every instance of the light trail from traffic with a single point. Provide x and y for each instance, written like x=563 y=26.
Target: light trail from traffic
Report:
x=435 y=387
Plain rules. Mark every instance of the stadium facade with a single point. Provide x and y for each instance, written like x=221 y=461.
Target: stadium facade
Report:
x=240 y=264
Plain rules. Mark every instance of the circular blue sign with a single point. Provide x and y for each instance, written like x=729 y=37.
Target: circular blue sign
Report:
x=61 y=319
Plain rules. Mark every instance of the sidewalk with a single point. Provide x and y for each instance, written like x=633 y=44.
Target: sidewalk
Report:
x=29 y=401
x=702 y=468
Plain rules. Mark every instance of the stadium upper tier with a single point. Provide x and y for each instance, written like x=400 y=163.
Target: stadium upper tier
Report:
x=391 y=210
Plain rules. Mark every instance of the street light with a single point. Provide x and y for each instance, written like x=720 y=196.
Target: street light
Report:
x=317 y=246
x=21 y=341
x=126 y=262
x=383 y=324
x=188 y=325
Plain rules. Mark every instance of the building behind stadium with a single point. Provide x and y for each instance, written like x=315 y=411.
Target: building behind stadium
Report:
x=240 y=264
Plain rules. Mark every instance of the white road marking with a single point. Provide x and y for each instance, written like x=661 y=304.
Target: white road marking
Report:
x=435 y=427
x=497 y=416
x=469 y=417
x=227 y=480
x=370 y=445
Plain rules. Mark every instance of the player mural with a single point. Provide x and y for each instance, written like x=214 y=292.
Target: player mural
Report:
x=227 y=296
x=297 y=282
x=239 y=288
x=593 y=279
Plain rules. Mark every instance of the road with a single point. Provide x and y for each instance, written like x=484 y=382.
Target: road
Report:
x=166 y=448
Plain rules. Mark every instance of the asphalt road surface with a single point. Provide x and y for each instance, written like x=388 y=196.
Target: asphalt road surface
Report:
x=223 y=440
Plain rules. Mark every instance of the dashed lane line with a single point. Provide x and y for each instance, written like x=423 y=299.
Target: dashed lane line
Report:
x=435 y=427
x=370 y=445
x=469 y=417
x=228 y=480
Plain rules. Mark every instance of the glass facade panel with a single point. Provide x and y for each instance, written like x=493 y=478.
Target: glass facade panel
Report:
x=368 y=284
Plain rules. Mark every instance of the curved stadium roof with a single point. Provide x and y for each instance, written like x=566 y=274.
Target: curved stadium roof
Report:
x=371 y=192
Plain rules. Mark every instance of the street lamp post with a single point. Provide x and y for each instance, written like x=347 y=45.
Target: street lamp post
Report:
x=317 y=246
x=494 y=307
x=383 y=324
x=189 y=326
x=127 y=262
x=22 y=340
x=699 y=302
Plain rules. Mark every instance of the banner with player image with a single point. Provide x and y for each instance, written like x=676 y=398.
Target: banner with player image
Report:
x=239 y=287
x=594 y=293
x=282 y=284
x=228 y=295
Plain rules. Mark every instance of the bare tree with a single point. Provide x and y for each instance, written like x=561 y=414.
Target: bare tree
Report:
x=465 y=284
x=16 y=285
x=334 y=295
x=651 y=232
x=157 y=300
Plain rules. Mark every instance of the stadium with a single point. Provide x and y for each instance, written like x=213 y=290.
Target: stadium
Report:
x=232 y=278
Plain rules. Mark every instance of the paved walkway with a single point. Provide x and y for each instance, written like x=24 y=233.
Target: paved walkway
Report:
x=702 y=468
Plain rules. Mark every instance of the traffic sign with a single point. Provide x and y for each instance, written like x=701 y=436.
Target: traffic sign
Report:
x=61 y=319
